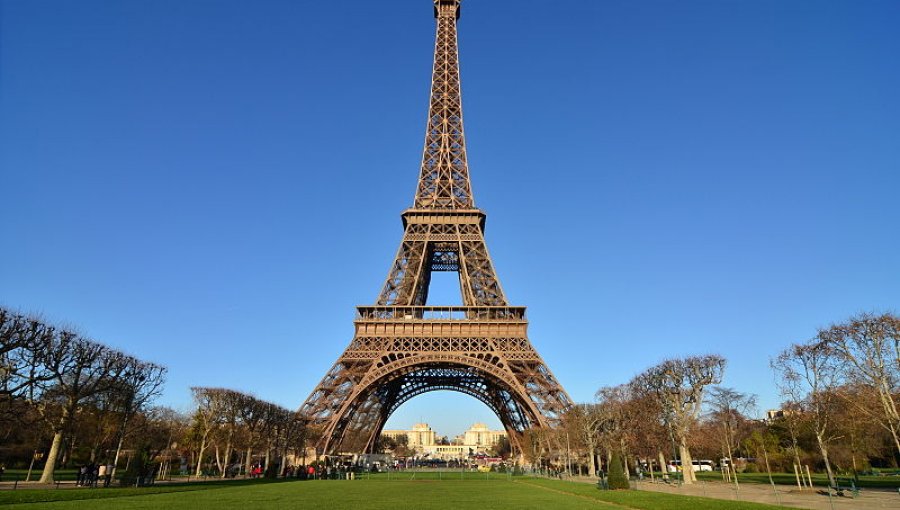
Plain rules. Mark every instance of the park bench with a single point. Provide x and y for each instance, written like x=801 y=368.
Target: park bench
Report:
x=841 y=489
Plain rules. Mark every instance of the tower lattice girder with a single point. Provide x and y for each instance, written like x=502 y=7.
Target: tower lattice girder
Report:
x=402 y=348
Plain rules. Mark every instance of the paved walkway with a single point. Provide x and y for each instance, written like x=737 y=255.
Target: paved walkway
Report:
x=70 y=484
x=10 y=485
x=787 y=495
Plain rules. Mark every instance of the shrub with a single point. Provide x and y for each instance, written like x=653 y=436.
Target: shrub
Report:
x=617 y=478
x=139 y=470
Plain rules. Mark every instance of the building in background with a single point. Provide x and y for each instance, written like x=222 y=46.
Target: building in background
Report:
x=481 y=436
x=420 y=435
x=424 y=441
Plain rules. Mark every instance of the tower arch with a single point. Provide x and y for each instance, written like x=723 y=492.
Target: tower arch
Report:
x=365 y=413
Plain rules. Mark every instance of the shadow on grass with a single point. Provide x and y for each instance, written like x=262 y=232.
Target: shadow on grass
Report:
x=9 y=497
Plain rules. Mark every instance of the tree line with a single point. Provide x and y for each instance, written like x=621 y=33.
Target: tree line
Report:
x=840 y=391
x=229 y=426
x=50 y=375
x=67 y=400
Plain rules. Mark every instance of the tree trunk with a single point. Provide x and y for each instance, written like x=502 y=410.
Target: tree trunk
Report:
x=116 y=458
x=768 y=468
x=725 y=473
x=50 y=465
x=200 y=458
x=796 y=450
x=687 y=463
x=227 y=458
x=119 y=448
x=663 y=466
x=95 y=450
x=593 y=463
x=885 y=392
x=247 y=462
x=894 y=435
x=218 y=459
x=67 y=445
x=824 y=450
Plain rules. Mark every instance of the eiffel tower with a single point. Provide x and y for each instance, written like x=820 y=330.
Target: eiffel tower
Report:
x=401 y=347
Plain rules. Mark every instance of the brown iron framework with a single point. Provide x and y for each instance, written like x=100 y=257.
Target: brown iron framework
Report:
x=402 y=348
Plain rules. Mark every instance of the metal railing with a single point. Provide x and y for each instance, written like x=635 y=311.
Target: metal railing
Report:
x=441 y=313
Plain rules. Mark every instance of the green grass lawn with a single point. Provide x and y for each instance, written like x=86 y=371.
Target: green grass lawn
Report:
x=520 y=493
x=64 y=475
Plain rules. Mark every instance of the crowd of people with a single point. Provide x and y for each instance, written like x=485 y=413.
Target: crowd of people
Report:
x=92 y=475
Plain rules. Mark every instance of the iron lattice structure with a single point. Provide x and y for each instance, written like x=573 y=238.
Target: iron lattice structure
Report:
x=402 y=348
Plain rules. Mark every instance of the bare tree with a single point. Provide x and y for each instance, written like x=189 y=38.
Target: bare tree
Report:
x=612 y=425
x=869 y=346
x=206 y=420
x=254 y=413
x=864 y=432
x=79 y=369
x=534 y=447
x=295 y=436
x=729 y=409
x=158 y=429
x=59 y=376
x=645 y=420
x=138 y=384
x=24 y=344
x=810 y=372
x=585 y=420
x=792 y=417
x=229 y=404
x=277 y=421
x=679 y=385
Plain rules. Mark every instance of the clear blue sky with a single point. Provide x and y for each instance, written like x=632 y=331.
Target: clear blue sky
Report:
x=214 y=185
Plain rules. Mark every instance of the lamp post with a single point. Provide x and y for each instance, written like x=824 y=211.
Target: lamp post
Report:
x=675 y=455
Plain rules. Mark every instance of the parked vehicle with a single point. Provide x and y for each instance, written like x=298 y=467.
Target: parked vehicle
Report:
x=699 y=465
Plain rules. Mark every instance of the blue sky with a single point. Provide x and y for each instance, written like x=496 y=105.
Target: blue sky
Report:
x=214 y=185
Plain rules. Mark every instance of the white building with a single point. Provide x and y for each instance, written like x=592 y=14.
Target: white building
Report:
x=420 y=435
x=424 y=441
x=481 y=436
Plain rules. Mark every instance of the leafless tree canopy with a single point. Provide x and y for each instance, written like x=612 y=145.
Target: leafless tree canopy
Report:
x=679 y=385
x=227 y=421
x=866 y=352
x=53 y=373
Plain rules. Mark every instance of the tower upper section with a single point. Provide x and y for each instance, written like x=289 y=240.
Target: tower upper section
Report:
x=449 y=4
x=444 y=178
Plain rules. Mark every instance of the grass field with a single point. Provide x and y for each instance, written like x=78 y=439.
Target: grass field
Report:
x=64 y=475
x=519 y=493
